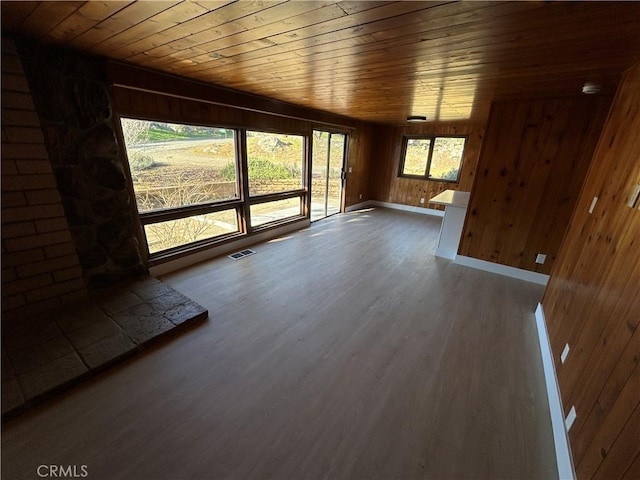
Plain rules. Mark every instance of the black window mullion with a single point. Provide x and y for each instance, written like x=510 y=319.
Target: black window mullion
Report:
x=245 y=211
x=403 y=159
x=148 y=218
x=432 y=142
x=326 y=184
x=307 y=175
x=274 y=197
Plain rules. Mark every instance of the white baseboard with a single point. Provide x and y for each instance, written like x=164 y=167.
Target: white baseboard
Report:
x=407 y=208
x=450 y=254
x=230 y=247
x=519 y=273
x=395 y=206
x=564 y=460
x=358 y=206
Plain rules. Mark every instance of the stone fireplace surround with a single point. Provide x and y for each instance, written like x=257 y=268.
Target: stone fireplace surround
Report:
x=45 y=351
x=71 y=95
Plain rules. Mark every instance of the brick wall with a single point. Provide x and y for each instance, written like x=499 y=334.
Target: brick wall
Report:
x=40 y=267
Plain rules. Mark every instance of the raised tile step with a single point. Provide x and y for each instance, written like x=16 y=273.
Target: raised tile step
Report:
x=43 y=355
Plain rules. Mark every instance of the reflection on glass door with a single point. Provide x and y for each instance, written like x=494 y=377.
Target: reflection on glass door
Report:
x=326 y=173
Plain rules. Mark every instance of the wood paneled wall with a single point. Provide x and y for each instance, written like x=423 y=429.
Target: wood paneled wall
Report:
x=385 y=184
x=152 y=105
x=592 y=302
x=144 y=93
x=533 y=162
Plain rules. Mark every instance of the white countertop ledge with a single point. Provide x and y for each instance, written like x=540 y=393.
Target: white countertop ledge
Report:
x=451 y=197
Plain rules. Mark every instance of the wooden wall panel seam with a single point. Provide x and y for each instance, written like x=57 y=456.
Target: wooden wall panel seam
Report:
x=592 y=301
x=521 y=202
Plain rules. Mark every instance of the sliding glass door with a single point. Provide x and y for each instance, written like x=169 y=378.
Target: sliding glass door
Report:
x=327 y=166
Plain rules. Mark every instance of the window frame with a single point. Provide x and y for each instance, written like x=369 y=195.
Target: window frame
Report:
x=160 y=215
x=190 y=247
x=202 y=206
x=305 y=143
x=249 y=200
x=241 y=204
x=432 y=138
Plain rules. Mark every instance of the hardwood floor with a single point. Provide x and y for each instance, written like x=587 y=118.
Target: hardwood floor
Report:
x=346 y=350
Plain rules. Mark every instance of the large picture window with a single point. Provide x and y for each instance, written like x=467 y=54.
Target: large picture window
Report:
x=432 y=157
x=185 y=180
x=174 y=165
x=196 y=185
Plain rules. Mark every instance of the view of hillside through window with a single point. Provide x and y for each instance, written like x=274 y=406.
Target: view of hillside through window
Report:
x=416 y=156
x=174 y=165
x=328 y=150
x=177 y=165
x=275 y=164
x=446 y=157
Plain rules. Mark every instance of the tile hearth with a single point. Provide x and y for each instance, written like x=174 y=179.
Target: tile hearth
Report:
x=44 y=354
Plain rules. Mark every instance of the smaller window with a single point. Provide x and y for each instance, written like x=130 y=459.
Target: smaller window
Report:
x=432 y=158
x=274 y=211
x=182 y=231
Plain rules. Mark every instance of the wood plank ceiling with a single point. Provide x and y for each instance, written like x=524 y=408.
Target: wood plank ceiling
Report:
x=371 y=60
